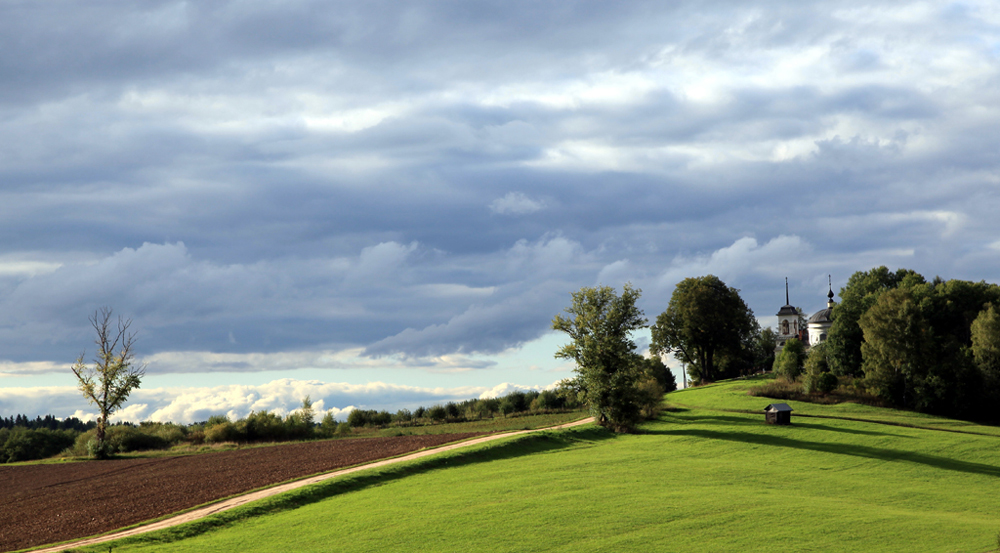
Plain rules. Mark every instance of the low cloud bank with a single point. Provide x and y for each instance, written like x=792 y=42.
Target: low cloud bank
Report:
x=194 y=404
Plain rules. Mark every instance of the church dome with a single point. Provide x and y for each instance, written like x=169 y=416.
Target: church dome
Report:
x=822 y=316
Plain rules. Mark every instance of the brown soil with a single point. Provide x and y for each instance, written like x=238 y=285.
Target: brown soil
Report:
x=41 y=504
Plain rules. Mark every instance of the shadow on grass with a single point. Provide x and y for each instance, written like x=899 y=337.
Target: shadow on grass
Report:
x=528 y=444
x=824 y=427
x=853 y=450
x=757 y=420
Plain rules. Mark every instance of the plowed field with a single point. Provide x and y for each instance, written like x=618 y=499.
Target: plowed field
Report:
x=41 y=504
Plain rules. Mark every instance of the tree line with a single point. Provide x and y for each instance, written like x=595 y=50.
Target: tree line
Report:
x=48 y=421
x=931 y=346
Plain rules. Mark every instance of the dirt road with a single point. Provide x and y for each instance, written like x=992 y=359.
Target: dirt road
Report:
x=142 y=483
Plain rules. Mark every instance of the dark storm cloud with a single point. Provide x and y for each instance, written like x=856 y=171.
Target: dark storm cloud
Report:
x=422 y=179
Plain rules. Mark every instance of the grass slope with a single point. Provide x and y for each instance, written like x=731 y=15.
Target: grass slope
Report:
x=698 y=479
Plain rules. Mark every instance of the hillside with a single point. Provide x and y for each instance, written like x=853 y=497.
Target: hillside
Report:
x=697 y=479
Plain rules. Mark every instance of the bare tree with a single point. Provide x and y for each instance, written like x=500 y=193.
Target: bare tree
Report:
x=114 y=374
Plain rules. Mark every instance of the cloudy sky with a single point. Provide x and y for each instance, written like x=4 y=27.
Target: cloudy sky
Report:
x=383 y=204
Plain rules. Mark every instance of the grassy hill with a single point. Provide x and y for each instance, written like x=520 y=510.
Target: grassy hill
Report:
x=704 y=477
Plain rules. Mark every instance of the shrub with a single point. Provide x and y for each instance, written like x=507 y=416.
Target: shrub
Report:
x=650 y=397
x=777 y=389
x=819 y=383
x=437 y=413
x=222 y=432
x=788 y=363
x=22 y=444
x=126 y=438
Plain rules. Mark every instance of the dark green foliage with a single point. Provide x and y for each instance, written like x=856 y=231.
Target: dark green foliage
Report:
x=985 y=337
x=600 y=324
x=368 y=417
x=708 y=327
x=858 y=296
x=437 y=413
x=48 y=421
x=918 y=349
x=818 y=378
x=25 y=444
x=654 y=367
x=788 y=364
x=764 y=346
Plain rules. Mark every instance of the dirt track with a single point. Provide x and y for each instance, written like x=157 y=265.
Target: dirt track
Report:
x=41 y=504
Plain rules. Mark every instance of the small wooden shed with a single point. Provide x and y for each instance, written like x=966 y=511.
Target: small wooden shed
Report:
x=778 y=413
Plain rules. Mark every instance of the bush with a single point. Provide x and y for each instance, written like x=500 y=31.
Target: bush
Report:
x=22 y=444
x=650 y=398
x=437 y=413
x=819 y=382
x=777 y=389
x=788 y=363
x=126 y=438
x=222 y=432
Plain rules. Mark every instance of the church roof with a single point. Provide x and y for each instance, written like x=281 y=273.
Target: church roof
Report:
x=822 y=316
x=787 y=310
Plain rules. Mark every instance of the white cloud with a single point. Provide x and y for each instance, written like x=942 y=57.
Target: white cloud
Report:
x=506 y=388
x=193 y=404
x=515 y=203
x=744 y=256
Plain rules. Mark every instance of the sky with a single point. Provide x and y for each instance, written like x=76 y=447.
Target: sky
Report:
x=383 y=204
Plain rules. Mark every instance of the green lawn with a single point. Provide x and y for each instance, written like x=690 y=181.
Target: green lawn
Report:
x=698 y=479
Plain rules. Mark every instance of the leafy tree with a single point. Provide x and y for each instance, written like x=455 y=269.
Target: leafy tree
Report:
x=328 y=426
x=788 y=363
x=858 y=296
x=818 y=377
x=655 y=368
x=108 y=383
x=985 y=331
x=898 y=350
x=705 y=322
x=764 y=346
x=600 y=324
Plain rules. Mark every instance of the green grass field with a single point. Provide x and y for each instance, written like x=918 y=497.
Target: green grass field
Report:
x=698 y=479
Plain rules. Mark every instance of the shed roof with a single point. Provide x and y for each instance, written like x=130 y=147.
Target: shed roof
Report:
x=778 y=407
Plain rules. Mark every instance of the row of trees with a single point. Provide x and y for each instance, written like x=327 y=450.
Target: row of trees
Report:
x=707 y=325
x=931 y=346
x=48 y=422
x=512 y=404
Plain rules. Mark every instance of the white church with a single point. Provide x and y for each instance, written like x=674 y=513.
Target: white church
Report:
x=793 y=324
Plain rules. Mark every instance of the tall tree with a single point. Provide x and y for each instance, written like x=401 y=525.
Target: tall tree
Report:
x=986 y=342
x=764 y=346
x=858 y=296
x=114 y=374
x=898 y=350
x=600 y=324
x=704 y=322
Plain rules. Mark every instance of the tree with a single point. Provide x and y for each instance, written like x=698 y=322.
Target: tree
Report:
x=766 y=343
x=788 y=363
x=818 y=378
x=108 y=383
x=706 y=321
x=986 y=344
x=861 y=292
x=655 y=368
x=600 y=324
x=898 y=350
